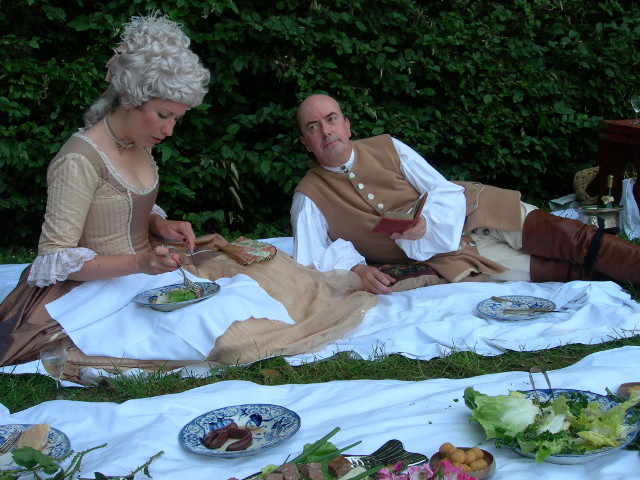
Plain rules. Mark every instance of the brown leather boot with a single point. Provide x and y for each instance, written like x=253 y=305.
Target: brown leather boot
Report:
x=618 y=259
x=573 y=242
x=546 y=270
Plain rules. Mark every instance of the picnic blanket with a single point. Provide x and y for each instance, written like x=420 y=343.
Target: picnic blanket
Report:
x=422 y=323
x=422 y=415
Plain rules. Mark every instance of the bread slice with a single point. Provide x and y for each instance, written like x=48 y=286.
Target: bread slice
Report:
x=35 y=437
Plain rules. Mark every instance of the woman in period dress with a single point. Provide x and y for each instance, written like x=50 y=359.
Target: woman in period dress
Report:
x=101 y=212
x=103 y=183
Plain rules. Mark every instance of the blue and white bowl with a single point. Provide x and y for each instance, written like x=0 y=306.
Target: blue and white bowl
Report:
x=270 y=425
x=544 y=395
x=493 y=309
x=151 y=297
x=58 y=444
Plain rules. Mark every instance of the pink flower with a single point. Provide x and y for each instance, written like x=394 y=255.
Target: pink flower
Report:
x=449 y=472
x=420 y=472
x=386 y=474
x=444 y=471
x=392 y=476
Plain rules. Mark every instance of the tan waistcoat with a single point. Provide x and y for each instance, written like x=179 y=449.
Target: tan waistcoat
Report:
x=352 y=203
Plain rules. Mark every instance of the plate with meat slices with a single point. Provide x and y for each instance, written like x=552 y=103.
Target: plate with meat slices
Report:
x=239 y=430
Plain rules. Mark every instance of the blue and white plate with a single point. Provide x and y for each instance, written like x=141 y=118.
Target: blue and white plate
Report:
x=544 y=395
x=494 y=309
x=270 y=425
x=153 y=298
x=57 y=447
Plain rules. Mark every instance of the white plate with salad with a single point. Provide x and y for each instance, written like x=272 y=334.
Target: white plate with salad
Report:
x=172 y=297
x=561 y=426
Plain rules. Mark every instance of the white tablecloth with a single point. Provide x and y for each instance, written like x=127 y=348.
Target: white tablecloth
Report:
x=422 y=415
x=135 y=331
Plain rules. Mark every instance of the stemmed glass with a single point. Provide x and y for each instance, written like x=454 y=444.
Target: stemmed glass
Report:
x=635 y=104
x=54 y=359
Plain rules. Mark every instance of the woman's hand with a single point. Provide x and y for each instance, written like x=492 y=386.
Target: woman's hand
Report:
x=158 y=261
x=173 y=230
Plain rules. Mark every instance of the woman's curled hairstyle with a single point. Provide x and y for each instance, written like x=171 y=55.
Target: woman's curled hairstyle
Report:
x=153 y=61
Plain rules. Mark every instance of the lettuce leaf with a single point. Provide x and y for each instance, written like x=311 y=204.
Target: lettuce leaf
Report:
x=544 y=444
x=512 y=413
x=569 y=424
x=179 y=295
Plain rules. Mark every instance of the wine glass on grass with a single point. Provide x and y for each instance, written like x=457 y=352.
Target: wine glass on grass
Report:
x=635 y=104
x=54 y=359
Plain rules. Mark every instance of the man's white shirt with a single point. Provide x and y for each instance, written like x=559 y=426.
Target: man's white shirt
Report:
x=444 y=212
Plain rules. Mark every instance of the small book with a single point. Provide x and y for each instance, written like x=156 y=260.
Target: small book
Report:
x=391 y=222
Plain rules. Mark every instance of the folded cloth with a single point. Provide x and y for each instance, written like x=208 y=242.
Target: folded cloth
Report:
x=114 y=326
x=247 y=251
x=630 y=214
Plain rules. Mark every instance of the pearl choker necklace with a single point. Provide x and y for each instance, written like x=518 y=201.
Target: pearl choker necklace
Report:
x=122 y=145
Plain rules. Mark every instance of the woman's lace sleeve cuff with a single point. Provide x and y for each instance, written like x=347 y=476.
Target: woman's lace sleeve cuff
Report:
x=56 y=267
x=159 y=211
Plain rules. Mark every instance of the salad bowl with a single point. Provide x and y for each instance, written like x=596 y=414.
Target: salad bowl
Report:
x=155 y=298
x=632 y=427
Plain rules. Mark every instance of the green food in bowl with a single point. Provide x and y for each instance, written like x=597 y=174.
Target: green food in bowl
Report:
x=180 y=295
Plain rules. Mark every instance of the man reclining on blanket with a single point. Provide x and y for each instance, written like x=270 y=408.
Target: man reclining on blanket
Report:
x=467 y=231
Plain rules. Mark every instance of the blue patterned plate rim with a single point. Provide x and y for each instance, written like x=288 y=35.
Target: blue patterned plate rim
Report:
x=59 y=444
x=270 y=424
x=146 y=298
x=495 y=310
x=567 y=459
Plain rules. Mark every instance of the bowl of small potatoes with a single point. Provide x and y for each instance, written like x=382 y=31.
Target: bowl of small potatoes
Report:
x=474 y=461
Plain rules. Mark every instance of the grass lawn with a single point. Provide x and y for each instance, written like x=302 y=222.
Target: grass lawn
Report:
x=22 y=391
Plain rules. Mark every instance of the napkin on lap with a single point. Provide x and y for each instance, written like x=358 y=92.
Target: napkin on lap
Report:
x=101 y=319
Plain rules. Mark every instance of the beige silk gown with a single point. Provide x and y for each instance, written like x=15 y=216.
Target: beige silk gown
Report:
x=89 y=205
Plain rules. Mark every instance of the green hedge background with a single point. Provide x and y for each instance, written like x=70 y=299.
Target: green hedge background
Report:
x=508 y=92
